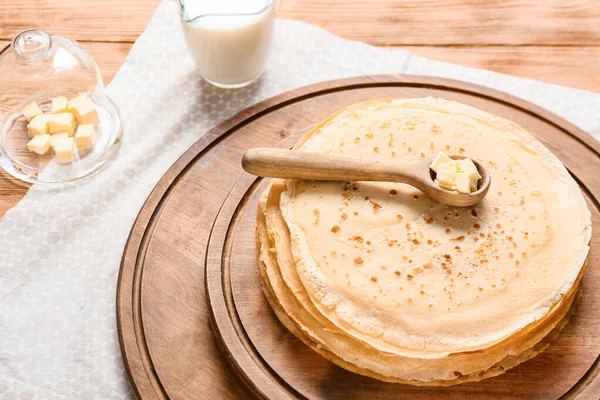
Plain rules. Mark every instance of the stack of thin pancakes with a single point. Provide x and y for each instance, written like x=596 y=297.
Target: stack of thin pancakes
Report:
x=385 y=282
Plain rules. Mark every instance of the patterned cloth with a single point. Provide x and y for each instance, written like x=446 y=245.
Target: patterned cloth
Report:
x=60 y=248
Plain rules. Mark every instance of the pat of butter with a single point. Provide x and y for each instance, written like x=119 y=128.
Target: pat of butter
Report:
x=63 y=149
x=83 y=109
x=62 y=122
x=57 y=137
x=59 y=105
x=463 y=182
x=454 y=166
x=85 y=136
x=71 y=103
x=468 y=167
x=457 y=175
x=446 y=177
x=441 y=159
x=31 y=111
x=38 y=125
x=40 y=144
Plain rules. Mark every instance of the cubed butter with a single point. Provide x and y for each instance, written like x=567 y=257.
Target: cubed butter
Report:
x=59 y=105
x=62 y=122
x=85 y=136
x=468 y=167
x=445 y=186
x=440 y=159
x=40 y=144
x=84 y=110
x=446 y=177
x=63 y=150
x=459 y=175
x=57 y=137
x=463 y=182
x=38 y=125
x=31 y=111
x=75 y=100
x=454 y=166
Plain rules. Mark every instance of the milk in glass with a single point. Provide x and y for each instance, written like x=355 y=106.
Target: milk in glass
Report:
x=229 y=40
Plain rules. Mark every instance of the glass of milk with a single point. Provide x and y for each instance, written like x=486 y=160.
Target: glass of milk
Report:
x=229 y=40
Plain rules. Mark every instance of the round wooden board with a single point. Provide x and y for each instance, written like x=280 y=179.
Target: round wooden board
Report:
x=193 y=321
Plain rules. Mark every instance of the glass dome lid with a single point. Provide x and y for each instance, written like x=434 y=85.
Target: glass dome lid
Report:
x=57 y=124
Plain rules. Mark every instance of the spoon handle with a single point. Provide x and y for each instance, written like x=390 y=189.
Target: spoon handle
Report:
x=281 y=163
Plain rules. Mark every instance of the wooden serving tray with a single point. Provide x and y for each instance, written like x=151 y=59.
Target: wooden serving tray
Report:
x=193 y=321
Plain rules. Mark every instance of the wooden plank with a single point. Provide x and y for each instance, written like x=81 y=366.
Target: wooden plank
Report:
x=99 y=20
x=400 y=22
x=11 y=191
x=569 y=66
x=454 y=22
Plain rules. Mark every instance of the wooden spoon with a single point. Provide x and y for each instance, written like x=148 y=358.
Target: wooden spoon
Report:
x=293 y=164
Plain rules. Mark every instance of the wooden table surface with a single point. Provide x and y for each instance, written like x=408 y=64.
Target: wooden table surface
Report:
x=556 y=41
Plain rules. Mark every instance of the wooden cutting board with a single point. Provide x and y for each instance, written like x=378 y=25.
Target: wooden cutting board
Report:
x=193 y=322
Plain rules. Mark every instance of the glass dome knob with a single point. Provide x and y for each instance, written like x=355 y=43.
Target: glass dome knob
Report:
x=31 y=44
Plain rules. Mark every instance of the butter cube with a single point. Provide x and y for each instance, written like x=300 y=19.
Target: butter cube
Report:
x=85 y=136
x=463 y=182
x=59 y=105
x=459 y=175
x=75 y=100
x=454 y=166
x=440 y=159
x=83 y=109
x=62 y=122
x=40 y=144
x=446 y=177
x=57 y=137
x=468 y=167
x=38 y=125
x=446 y=186
x=31 y=111
x=63 y=150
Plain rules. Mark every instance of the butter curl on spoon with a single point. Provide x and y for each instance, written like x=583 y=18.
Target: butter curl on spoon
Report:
x=294 y=164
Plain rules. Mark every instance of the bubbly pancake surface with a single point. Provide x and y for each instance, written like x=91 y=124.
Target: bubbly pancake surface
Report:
x=416 y=278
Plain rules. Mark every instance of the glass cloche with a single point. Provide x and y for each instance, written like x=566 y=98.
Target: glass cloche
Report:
x=57 y=123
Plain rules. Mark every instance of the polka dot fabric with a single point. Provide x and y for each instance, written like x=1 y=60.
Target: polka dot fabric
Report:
x=60 y=248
